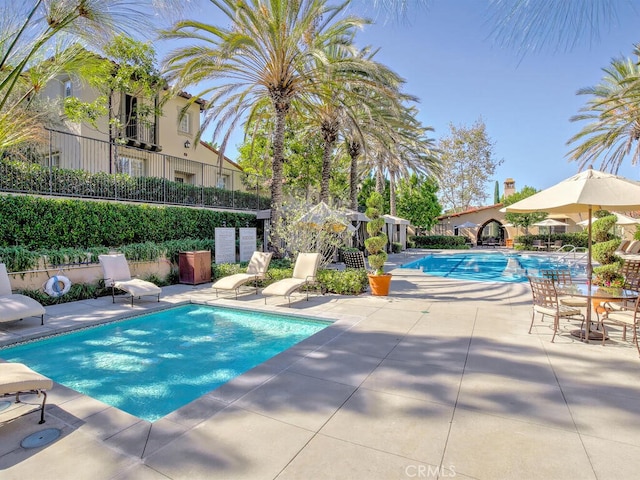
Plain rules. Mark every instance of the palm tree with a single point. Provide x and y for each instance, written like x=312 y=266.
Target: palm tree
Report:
x=614 y=110
x=401 y=148
x=349 y=92
x=271 y=49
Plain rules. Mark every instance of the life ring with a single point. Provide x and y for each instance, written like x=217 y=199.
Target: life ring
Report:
x=57 y=286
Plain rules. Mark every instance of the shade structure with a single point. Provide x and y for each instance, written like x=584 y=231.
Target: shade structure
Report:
x=322 y=214
x=583 y=193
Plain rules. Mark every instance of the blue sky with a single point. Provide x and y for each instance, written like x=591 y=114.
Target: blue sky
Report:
x=445 y=54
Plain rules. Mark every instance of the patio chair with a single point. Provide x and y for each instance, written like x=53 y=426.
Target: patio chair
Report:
x=304 y=274
x=622 y=247
x=557 y=245
x=633 y=249
x=538 y=245
x=354 y=260
x=630 y=270
x=256 y=270
x=545 y=302
x=625 y=318
x=562 y=278
x=15 y=306
x=17 y=379
x=116 y=275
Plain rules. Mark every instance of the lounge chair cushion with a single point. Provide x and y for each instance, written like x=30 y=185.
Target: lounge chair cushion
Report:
x=14 y=306
x=259 y=263
x=306 y=266
x=234 y=281
x=137 y=287
x=17 y=377
x=284 y=287
x=5 y=285
x=304 y=272
x=115 y=267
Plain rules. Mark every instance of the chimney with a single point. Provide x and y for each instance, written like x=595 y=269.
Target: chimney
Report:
x=509 y=187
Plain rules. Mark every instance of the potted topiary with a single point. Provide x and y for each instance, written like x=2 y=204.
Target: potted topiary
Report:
x=375 y=245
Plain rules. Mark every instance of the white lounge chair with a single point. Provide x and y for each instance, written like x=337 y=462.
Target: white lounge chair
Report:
x=17 y=378
x=256 y=270
x=304 y=273
x=116 y=274
x=14 y=306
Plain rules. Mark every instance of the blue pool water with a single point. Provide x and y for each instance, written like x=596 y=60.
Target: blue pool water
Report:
x=153 y=364
x=491 y=267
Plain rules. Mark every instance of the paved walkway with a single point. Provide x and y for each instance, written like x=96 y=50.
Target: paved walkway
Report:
x=438 y=380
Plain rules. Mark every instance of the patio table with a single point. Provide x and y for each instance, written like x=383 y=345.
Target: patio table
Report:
x=594 y=293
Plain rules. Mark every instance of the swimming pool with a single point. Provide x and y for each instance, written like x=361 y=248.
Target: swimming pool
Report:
x=154 y=364
x=488 y=267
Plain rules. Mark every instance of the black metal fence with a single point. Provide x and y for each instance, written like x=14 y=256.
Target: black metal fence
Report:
x=76 y=166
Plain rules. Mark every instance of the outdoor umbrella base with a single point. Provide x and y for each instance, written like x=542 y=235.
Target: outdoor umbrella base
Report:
x=593 y=335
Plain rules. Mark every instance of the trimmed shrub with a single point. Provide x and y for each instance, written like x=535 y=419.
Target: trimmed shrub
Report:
x=43 y=223
x=440 y=241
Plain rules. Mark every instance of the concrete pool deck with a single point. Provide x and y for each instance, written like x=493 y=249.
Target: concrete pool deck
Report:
x=439 y=379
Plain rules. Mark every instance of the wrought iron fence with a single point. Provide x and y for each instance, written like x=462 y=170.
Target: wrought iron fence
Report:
x=76 y=166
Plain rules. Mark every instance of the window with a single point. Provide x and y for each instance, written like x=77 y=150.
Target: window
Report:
x=185 y=124
x=51 y=160
x=223 y=181
x=183 y=177
x=132 y=166
x=67 y=88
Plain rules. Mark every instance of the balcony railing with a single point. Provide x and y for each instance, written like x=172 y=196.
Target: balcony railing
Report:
x=75 y=166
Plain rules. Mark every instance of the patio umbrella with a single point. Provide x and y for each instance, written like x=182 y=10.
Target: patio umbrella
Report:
x=322 y=214
x=550 y=222
x=467 y=225
x=583 y=193
x=620 y=220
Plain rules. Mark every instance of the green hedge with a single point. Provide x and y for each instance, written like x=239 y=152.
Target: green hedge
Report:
x=457 y=242
x=45 y=223
x=578 y=239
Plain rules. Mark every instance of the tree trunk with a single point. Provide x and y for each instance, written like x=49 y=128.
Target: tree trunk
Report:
x=392 y=192
x=276 y=178
x=380 y=175
x=354 y=153
x=329 y=135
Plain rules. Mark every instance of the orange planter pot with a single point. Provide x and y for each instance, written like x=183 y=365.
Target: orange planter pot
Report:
x=380 y=284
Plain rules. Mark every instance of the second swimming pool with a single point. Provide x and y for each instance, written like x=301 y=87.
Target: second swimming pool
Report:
x=494 y=267
x=154 y=364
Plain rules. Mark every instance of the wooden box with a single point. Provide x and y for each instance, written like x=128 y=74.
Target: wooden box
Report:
x=195 y=267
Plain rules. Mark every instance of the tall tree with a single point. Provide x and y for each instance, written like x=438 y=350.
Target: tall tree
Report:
x=524 y=220
x=614 y=112
x=418 y=201
x=467 y=165
x=269 y=50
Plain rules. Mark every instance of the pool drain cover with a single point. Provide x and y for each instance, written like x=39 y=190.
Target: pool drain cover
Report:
x=4 y=405
x=41 y=438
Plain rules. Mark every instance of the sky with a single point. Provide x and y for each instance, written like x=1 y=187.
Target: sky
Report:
x=444 y=52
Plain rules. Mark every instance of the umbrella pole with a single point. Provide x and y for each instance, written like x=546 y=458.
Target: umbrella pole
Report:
x=589 y=275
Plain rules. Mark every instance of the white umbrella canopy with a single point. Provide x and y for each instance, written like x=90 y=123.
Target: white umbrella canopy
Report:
x=550 y=222
x=467 y=225
x=583 y=193
x=620 y=220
